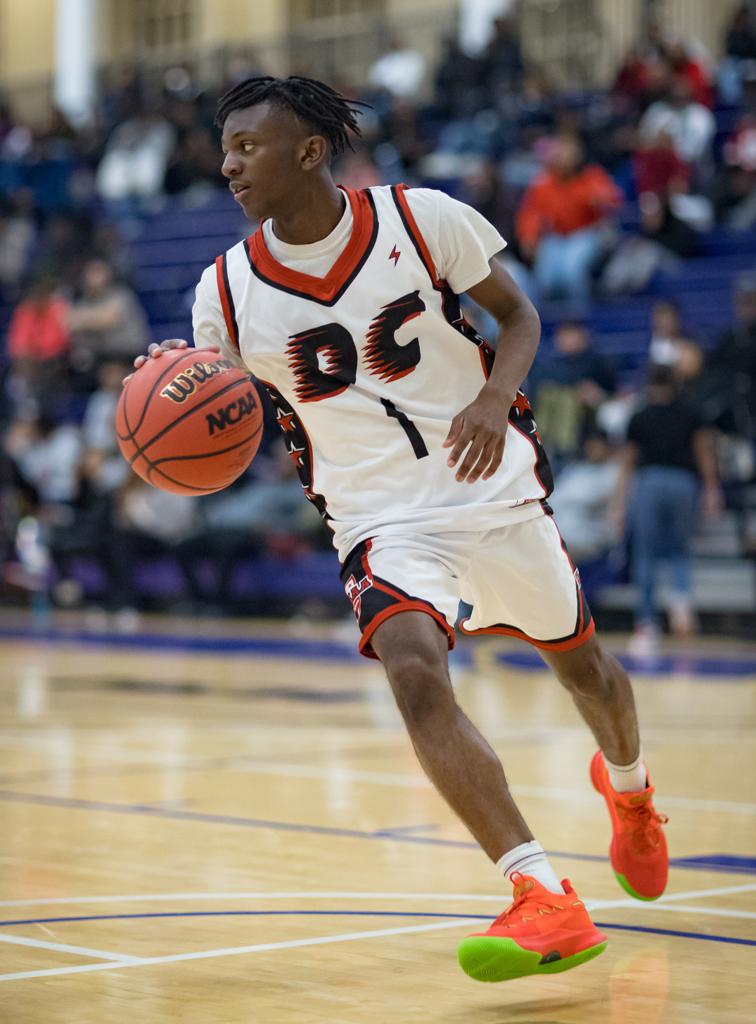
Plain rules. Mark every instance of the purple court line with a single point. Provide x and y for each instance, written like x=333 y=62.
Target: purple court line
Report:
x=643 y=929
x=333 y=650
x=717 y=864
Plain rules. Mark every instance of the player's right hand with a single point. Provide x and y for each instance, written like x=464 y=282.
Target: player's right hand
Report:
x=154 y=351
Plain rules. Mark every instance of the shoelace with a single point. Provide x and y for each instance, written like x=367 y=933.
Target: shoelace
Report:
x=522 y=895
x=645 y=825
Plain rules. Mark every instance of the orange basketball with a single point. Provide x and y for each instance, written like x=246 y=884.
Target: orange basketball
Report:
x=189 y=422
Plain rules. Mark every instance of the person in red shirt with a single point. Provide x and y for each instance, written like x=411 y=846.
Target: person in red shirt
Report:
x=561 y=224
x=38 y=340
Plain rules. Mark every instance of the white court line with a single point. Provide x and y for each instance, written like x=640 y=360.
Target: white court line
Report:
x=123 y=962
x=237 y=950
x=681 y=908
x=60 y=947
x=161 y=897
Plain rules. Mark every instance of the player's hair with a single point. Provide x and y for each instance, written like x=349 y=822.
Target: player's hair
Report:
x=332 y=114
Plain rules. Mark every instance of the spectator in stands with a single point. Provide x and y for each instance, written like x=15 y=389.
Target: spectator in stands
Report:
x=691 y=69
x=667 y=456
x=670 y=345
x=88 y=528
x=734 y=190
x=458 y=87
x=148 y=524
x=38 y=344
x=503 y=62
x=569 y=387
x=740 y=39
x=46 y=454
x=136 y=157
x=193 y=163
x=399 y=71
x=17 y=234
x=663 y=240
x=107 y=320
x=581 y=499
x=731 y=367
x=562 y=223
x=262 y=511
x=657 y=166
x=740 y=54
x=690 y=124
x=97 y=432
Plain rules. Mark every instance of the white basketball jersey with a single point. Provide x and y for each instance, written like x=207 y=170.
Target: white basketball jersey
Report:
x=366 y=367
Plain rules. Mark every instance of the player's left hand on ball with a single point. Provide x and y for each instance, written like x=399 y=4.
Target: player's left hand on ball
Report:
x=479 y=430
x=154 y=351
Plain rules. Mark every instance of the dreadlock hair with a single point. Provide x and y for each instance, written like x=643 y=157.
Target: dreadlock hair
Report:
x=332 y=114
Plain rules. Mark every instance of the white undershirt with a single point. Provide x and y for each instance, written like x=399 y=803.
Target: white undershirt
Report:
x=317 y=258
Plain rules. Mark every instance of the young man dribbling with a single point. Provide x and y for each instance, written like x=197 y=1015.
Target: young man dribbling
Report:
x=420 y=451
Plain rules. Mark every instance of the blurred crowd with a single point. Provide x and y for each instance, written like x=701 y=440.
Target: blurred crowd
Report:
x=598 y=193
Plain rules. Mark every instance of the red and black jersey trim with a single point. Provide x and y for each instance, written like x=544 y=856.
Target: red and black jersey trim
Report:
x=415 y=235
x=298 y=445
x=449 y=300
x=329 y=289
x=227 y=300
x=521 y=419
x=375 y=599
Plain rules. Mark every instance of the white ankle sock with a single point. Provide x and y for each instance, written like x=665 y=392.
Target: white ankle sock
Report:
x=627 y=778
x=530 y=859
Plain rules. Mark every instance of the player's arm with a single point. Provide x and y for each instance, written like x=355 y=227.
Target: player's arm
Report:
x=479 y=430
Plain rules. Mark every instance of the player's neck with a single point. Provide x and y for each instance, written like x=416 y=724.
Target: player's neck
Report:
x=311 y=216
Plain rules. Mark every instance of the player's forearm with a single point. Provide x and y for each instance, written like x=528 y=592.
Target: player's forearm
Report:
x=519 y=336
x=519 y=330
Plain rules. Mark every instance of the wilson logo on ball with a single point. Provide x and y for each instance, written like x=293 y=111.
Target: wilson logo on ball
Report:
x=187 y=382
x=231 y=413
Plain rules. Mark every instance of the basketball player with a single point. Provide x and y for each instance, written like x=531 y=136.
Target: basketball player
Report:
x=420 y=451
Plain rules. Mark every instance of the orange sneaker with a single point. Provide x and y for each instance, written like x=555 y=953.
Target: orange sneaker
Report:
x=542 y=932
x=638 y=851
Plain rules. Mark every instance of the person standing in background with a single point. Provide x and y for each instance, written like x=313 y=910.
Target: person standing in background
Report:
x=667 y=457
x=562 y=223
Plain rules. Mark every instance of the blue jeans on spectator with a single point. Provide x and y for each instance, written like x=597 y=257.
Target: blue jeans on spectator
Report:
x=662 y=520
x=563 y=264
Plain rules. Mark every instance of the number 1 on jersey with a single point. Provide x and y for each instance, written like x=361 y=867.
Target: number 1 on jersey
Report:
x=409 y=428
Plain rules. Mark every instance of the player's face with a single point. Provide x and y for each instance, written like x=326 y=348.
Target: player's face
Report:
x=261 y=147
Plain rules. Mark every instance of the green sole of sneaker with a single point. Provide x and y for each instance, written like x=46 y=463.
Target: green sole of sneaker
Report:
x=487 y=959
x=630 y=891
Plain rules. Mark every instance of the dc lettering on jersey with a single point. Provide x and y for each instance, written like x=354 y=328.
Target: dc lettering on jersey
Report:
x=355 y=588
x=383 y=355
x=332 y=344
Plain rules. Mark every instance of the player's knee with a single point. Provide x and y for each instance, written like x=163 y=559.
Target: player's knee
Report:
x=592 y=673
x=420 y=685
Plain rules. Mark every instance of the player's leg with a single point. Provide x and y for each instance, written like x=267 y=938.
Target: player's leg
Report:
x=547 y=928
x=524 y=584
x=603 y=695
x=411 y=633
x=453 y=753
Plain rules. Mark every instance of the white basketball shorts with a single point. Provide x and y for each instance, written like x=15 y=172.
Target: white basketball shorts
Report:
x=518 y=578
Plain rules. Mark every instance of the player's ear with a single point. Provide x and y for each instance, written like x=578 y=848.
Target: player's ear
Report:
x=314 y=151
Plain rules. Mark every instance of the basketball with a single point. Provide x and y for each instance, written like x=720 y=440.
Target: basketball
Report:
x=189 y=422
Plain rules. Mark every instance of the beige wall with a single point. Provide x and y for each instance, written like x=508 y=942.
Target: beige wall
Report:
x=27 y=32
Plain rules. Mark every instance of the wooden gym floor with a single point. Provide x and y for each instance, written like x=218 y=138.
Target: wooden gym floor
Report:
x=225 y=824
